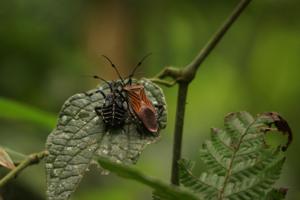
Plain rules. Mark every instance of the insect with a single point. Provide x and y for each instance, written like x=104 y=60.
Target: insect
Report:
x=114 y=111
x=140 y=107
x=127 y=98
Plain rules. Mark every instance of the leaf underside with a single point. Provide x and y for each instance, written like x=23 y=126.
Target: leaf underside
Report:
x=80 y=138
x=239 y=162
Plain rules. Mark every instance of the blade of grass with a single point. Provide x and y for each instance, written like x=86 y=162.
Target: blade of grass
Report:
x=13 y=110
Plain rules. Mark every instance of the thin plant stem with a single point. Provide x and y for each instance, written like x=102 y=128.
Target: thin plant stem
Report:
x=182 y=92
x=30 y=160
x=215 y=39
x=186 y=75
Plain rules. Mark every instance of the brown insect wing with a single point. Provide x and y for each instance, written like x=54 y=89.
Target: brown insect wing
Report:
x=148 y=118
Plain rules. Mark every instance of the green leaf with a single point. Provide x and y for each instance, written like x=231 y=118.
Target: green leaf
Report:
x=163 y=190
x=11 y=109
x=257 y=184
x=199 y=185
x=80 y=137
x=240 y=164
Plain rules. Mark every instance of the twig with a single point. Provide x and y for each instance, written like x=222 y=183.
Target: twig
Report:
x=30 y=160
x=169 y=72
x=185 y=75
x=163 y=82
x=215 y=39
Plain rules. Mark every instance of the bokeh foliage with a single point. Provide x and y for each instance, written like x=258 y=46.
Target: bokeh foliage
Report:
x=47 y=46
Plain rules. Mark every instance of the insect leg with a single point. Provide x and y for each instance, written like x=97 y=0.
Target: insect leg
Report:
x=122 y=96
x=160 y=109
x=101 y=92
x=97 y=91
x=98 y=110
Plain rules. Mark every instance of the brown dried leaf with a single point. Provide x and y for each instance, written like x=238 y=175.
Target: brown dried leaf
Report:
x=5 y=160
x=273 y=118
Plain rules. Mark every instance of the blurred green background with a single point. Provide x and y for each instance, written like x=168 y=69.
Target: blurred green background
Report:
x=47 y=47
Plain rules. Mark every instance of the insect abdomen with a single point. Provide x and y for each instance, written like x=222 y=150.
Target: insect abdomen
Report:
x=148 y=118
x=113 y=116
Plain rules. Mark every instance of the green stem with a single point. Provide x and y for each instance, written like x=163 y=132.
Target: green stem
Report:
x=184 y=77
x=215 y=39
x=182 y=93
x=163 y=82
x=30 y=160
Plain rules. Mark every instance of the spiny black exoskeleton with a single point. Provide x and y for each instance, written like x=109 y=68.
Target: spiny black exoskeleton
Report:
x=114 y=110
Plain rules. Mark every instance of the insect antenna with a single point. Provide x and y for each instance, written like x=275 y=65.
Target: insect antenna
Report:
x=137 y=66
x=114 y=66
x=100 y=78
x=136 y=73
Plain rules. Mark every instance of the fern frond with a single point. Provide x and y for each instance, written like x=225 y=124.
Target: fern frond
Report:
x=199 y=185
x=250 y=167
x=237 y=123
x=240 y=165
x=255 y=186
x=213 y=157
x=222 y=141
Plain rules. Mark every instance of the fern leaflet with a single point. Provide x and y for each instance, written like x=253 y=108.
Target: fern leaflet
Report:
x=240 y=164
